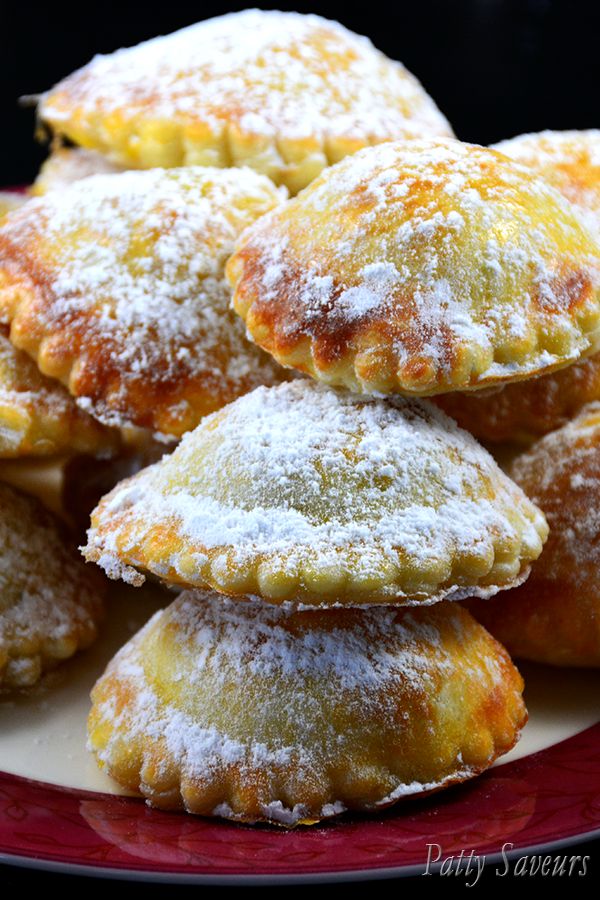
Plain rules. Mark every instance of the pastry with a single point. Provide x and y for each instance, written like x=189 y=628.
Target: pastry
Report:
x=555 y=617
x=568 y=160
x=526 y=410
x=50 y=602
x=68 y=164
x=297 y=493
x=115 y=286
x=283 y=93
x=419 y=268
x=38 y=417
x=259 y=714
x=10 y=200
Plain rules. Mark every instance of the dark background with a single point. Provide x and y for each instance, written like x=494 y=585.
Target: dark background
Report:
x=495 y=67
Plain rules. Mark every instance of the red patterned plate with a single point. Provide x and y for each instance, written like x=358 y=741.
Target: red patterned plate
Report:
x=538 y=801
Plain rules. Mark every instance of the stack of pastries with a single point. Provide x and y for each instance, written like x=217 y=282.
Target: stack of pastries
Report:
x=257 y=244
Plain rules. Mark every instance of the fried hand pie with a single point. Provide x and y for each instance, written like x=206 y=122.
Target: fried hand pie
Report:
x=421 y=267
x=299 y=493
x=283 y=93
x=115 y=286
x=258 y=714
x=526 y=410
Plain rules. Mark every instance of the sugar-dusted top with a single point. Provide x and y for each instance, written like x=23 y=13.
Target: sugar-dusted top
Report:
x=421 y=267
x=257 y=712
x=126 y=288
x=309 y=490
x=267 y=72
x=48 y=599
x=568 y=160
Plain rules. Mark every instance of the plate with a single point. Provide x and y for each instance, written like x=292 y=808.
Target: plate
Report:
x=58 y=811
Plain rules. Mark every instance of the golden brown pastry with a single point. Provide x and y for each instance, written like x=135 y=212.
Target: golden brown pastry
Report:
x=115 y=286
x=568 y=160
x=420 y=268
x=38 y=417
x=555 y=616
x=10 y=200
x=299 y=493
x=259 y=714
x=526 y=410
x=66 y=165
x=50 y=602
x=283 y=93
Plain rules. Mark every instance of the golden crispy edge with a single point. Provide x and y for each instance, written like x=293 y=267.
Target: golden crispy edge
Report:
x=141 y=140
x=361 y=355
x=117 y=543
x=147 y=768
x=88 y=366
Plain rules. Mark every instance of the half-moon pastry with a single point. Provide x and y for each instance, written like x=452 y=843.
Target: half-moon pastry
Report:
x=419 y=268
x=529 y=409
x=116 y=286
x=555 y=617
x=68 y=164
x=299 y=493
x=38 y=417
x=283 y=93
x=50 y=603
x=259 y=714
x=568 y=160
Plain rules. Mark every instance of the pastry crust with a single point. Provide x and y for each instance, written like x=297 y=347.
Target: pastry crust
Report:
x=256 y=714
x=38 y=417
x=50 y=603
x=65 y=165
x=283 y=93
x=526 y=410
x=555 y=616
x=10 y=200
x=568 y=160
x=115 y=286
x=297 y=493
x=421 y=267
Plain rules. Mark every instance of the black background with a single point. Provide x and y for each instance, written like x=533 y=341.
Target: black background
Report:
x=495 y=67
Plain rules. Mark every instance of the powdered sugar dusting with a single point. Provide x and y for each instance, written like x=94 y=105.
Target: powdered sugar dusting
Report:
x=303 y=474
x=569 y=160
x=269 y=73
x=134 y=263
x=292 y=670
x=47 y=598
x=454 y=255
